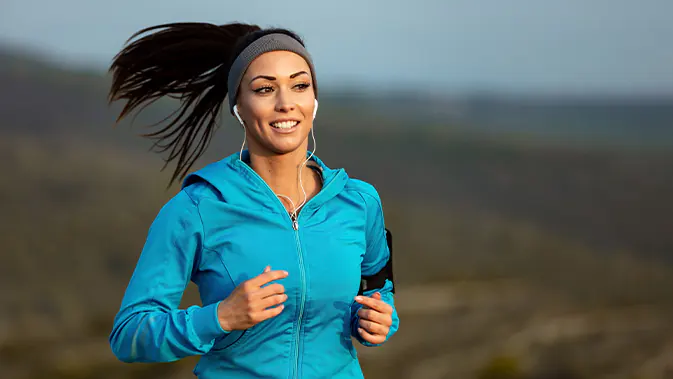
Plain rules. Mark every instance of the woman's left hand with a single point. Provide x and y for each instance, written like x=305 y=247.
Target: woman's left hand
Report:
x=376 y=317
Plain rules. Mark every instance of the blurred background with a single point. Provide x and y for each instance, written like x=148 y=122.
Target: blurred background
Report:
x=523 y=151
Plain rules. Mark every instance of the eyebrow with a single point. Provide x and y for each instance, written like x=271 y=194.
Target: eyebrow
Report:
x=274 y=78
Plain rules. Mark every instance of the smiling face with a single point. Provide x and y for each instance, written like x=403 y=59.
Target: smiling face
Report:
x=276 y=102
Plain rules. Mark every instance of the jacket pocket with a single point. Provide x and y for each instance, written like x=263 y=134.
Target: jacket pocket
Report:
x=232 y=340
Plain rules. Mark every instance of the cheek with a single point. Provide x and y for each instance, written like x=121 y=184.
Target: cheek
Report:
x=260 y=110
x=307 y=106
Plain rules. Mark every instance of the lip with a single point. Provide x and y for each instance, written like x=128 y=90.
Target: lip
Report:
x=283 y=120
x=285 y=131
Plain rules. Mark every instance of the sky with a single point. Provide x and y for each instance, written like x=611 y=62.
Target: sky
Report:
x=535 y=46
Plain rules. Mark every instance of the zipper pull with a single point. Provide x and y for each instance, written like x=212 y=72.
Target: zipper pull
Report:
x=295 y=224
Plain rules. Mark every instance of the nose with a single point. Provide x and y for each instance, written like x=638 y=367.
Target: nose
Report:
x=284 y=101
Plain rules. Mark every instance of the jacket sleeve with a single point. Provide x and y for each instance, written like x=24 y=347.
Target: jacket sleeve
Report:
x=375 y=258
x=148 y=326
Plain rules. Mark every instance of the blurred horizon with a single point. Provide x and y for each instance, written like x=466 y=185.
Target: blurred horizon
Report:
x=601 y=48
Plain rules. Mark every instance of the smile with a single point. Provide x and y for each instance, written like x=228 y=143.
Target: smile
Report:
x=284 y=124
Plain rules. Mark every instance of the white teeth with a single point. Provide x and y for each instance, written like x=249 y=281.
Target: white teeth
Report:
x=284 y=124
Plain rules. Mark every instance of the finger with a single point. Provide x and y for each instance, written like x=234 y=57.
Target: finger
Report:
x=372 y=315
x=267 y=269
x=270 y=290
x=269 y=313
x=370 y=338
x=267 y=277
x=373 y=328
x=375 y=304
x=270 y=301
x=376 y=296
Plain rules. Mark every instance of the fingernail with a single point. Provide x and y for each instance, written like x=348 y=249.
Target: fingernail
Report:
x=358 y=298
x=286 y=273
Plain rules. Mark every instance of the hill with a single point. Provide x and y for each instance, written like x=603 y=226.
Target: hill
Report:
x=523 y=252
x=617 y=193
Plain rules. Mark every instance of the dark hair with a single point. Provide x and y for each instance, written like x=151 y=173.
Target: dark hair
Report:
x=185 y=61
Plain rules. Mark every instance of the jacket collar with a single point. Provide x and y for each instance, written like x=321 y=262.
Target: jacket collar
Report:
x=239 y=184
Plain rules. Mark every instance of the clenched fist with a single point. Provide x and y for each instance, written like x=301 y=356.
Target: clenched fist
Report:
x=375 y=318
x=249 y=303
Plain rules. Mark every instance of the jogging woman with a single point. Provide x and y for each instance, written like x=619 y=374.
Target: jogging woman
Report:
x=276 y=241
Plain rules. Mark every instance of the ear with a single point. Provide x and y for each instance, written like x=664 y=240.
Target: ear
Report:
x=315 y=108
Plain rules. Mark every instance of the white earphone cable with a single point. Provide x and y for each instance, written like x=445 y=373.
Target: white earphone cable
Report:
x=301 y=185
x=295 y=209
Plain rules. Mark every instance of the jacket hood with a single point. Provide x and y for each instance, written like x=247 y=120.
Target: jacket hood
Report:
x=238 y=184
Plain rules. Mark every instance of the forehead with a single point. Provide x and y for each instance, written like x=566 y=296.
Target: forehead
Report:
x=277 y=63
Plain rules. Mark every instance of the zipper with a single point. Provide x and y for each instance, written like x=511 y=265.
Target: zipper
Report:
x=295 y=226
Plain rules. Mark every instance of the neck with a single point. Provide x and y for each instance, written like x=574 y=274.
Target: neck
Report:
x=280 y=172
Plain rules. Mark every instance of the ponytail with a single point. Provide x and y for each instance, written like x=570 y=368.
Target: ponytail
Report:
x=185 y=61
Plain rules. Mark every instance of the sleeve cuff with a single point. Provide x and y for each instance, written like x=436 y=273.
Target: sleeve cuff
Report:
x=206 y=325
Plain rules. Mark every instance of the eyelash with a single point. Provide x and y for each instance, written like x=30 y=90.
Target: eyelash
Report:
x=260 y=90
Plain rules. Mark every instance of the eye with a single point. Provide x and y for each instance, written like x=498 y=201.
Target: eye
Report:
x=302 y=86
x=266 y=89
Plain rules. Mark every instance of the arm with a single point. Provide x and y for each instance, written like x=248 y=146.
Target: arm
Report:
x=148 y=326
x=376 y=258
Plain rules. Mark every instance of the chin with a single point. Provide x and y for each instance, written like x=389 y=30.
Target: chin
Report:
x=285 y=144
x=284 y=148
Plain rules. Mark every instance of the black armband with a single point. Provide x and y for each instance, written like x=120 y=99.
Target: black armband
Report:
x=378 y=280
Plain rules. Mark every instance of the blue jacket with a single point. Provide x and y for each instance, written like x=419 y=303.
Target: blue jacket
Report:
x=224 y=227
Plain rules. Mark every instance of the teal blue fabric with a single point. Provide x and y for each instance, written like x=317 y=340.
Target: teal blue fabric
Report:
x=224 y=227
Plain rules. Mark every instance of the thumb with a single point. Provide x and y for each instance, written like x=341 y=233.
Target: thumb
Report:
x=267 y=269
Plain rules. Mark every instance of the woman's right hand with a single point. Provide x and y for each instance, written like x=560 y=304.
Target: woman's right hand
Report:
x=250 y=304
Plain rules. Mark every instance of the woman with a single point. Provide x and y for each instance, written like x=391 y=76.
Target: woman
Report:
x=275 y=240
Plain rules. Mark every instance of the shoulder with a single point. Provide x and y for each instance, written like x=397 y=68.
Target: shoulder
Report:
x=363 y=189
x=176 y=215
x=185 y=203
x=198 y=189
x=180 y=204
x=367 y=195
x=356 y=188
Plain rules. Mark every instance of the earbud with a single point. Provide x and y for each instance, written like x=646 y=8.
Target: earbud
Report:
x=315 y=109
x=238 y=116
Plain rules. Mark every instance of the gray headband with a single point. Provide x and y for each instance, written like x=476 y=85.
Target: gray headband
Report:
x=265 y=44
